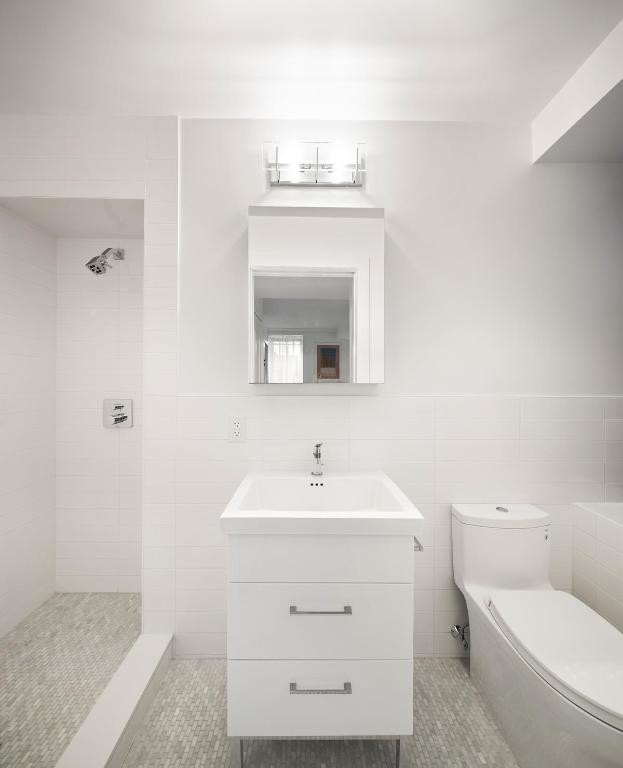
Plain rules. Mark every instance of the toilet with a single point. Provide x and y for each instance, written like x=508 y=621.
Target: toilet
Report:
x=550 y=668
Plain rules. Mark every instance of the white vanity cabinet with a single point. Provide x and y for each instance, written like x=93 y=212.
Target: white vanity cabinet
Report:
x=320 y=607
x=320 y=637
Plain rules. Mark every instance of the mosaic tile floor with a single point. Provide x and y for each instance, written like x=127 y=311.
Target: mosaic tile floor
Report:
x=185 y=727
x=53 y=666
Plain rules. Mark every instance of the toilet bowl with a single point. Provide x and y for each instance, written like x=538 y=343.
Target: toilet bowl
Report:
x=550 y=667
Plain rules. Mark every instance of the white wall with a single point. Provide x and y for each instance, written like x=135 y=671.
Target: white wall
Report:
x=98 y=470
x=27 y=353
x=500 y=277
x=502 y=280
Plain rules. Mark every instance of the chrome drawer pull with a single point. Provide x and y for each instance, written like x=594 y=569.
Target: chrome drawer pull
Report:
x=294 y=689
x=347 y=611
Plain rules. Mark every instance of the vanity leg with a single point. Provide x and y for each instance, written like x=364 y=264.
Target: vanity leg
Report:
x=235 y=753
x=398 y=752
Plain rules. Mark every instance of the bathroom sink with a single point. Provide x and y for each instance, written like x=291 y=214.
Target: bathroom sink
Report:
x=340 y=503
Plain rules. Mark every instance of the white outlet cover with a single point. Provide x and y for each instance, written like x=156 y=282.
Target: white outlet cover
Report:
x=237 y=429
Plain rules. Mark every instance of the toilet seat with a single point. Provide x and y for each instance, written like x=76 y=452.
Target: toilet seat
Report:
x=569 y=645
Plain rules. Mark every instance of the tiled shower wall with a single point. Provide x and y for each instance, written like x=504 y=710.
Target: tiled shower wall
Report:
x=98 y=470
x=548 y=451
x=122 y=158
x=27 y=349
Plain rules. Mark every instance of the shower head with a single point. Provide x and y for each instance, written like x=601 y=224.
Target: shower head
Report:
x=99 y=264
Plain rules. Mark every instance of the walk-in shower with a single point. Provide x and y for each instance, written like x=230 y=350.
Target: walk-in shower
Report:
x=72 y=555
x=99 y=264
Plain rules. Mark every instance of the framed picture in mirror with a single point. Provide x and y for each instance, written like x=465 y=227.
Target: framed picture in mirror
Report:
x=328 y=362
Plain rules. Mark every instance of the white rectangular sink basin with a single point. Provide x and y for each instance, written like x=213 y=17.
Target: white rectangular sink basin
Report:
x=341 y=503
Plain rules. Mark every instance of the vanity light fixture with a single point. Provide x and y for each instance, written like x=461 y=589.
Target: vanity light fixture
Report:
x=314 y=163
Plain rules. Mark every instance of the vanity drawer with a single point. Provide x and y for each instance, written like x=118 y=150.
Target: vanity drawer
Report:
x=310 y=558
x=320 y=621
x=320 y=698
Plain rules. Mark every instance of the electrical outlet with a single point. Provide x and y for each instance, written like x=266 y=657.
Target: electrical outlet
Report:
x=237 y=429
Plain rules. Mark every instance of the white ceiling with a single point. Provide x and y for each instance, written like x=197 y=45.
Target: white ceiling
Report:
x=357 y=59
x=70 y=217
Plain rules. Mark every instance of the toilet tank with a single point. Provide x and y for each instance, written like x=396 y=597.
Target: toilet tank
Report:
x=504 y=546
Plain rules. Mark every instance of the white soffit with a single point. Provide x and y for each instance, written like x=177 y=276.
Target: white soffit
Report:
x=80 y=217
x=584 y=120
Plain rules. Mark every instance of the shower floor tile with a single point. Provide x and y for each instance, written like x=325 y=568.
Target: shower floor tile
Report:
x=185 y=727
x=53 y=666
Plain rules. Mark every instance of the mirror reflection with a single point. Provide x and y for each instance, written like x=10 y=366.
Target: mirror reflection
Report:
x=302 y=327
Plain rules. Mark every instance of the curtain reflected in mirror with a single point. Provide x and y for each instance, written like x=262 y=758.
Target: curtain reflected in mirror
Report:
x=285 y=359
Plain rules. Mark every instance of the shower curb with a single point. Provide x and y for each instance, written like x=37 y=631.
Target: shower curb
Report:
x=105 y=737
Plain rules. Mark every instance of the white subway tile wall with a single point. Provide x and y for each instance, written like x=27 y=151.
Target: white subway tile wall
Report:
x=598 y=558
x=27 y=352
x=438 y=449
x=98 y=470
x=160 y=312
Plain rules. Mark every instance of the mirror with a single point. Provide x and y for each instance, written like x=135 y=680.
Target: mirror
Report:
x=316 y=307
x=303 y=327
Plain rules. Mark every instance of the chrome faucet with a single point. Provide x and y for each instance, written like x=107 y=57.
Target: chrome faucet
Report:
x=317 y=470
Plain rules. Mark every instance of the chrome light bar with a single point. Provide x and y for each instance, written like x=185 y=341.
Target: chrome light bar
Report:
x=314 y=163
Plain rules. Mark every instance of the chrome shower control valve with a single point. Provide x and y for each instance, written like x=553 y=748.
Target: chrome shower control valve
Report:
x=117 y=413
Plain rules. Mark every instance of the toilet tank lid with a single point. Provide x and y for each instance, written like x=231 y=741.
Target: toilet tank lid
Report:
x=500 y=515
